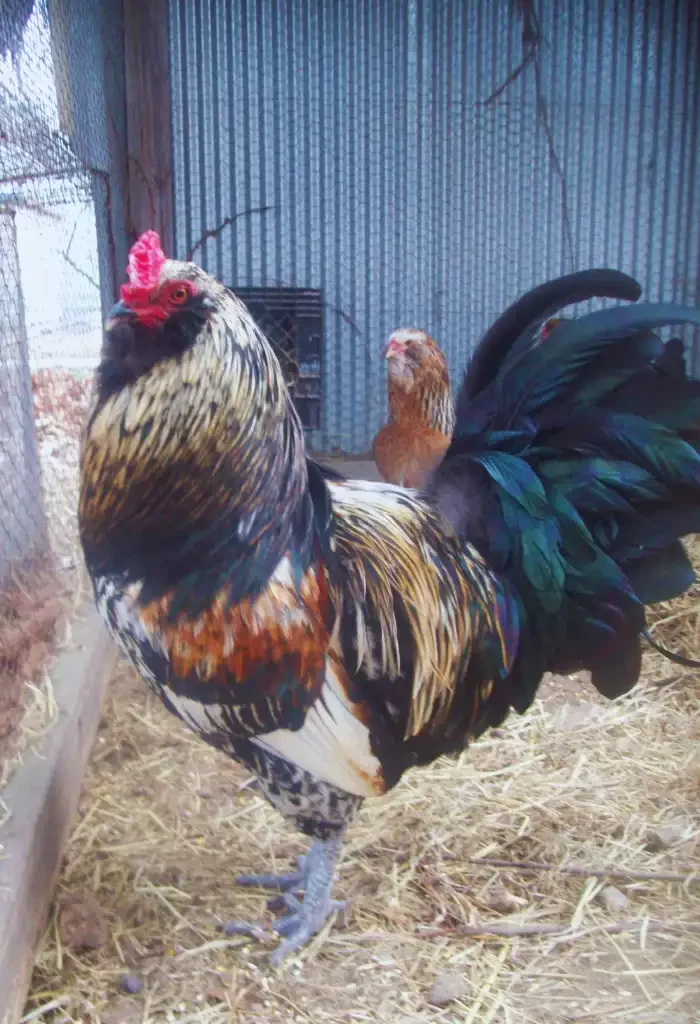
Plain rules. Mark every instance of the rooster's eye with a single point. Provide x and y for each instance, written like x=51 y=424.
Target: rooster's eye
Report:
x=179 y=294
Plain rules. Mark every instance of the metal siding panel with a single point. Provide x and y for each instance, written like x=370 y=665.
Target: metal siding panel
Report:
x=396 y=190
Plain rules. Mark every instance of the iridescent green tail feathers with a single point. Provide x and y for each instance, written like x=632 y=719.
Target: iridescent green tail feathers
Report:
x=576 y=472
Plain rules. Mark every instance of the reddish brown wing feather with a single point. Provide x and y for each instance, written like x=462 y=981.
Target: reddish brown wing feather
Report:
x=284 y=630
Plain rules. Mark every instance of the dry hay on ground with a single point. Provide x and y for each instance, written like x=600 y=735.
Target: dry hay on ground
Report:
x=167 y=824
x=30 y=608
x=61 y=400
x=676 y=624
x=37 y=596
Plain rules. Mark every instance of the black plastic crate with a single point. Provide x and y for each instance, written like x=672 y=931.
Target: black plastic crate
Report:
x=292 y=320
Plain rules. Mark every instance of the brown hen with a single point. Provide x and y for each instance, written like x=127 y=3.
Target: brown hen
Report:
x=421 y=411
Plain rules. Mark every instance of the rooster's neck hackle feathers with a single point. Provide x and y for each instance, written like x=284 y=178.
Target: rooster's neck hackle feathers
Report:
x=187 y=465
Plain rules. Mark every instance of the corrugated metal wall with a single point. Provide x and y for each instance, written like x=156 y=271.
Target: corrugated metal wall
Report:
x=406 y=197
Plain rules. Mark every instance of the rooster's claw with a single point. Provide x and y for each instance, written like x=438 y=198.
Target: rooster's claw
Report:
x=292 y=880
x=304 y=917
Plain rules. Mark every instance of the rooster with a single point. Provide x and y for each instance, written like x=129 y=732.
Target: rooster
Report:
x=421 y=413
x=332 y=634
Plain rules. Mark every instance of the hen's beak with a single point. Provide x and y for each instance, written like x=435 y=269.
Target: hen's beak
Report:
x=393 y=348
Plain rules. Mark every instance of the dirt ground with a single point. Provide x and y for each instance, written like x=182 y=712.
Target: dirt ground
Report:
x=167 y=824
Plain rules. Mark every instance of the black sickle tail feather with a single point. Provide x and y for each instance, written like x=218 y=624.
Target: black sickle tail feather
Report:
x=531 y=311
x=575 y=472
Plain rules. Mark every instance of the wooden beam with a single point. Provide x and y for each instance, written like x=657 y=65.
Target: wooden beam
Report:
x=42 y=800
x=149 y=141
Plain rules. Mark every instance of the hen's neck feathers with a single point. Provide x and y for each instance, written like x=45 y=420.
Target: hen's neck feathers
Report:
x=423 y=397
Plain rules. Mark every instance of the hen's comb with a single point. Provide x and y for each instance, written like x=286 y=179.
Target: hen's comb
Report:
x=146 y=259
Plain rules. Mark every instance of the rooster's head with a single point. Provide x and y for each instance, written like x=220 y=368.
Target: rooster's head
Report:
x=192 y=421
x=172 y=319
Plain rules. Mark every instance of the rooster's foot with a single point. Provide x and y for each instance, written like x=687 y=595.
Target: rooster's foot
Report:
x=298 y=927
x=292 y=881
x=305 y=917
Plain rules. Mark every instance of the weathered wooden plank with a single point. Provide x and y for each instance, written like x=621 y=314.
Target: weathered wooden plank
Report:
x=150 y=165
x=42 y=798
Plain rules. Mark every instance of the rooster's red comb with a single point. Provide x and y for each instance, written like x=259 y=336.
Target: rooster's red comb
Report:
x=146 y=259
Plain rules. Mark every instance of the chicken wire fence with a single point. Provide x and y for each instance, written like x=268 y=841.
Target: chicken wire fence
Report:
x=53 y=176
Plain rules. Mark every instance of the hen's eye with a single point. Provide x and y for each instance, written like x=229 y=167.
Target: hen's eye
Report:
x=180 y=293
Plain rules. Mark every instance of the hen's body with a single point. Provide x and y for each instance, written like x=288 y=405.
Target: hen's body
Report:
x=332 y=634
x=421 y=413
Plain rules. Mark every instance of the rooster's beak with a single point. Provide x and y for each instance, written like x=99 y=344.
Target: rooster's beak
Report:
x=118 y=312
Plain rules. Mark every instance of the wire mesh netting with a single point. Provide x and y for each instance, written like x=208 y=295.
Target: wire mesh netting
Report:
x=55 y=267
x=50 y=177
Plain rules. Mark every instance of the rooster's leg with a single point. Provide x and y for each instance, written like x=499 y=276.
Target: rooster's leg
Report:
x=307 y=916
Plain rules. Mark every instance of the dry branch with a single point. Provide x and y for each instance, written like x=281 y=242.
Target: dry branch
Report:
x=225 y=223
x=589 y=871
x=515 y=929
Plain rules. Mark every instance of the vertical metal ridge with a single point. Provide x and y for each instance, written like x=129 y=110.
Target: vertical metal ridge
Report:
x=260 y=223
x=688 y=270
x=611 y=184
x=214 y=65
x=661 y=143
x=200 y=116
x=340 y=348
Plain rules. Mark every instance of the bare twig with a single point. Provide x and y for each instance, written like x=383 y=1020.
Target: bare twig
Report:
x=532 y=37
x=524 y=63
x=514 y=929
x=328 y=305
x=79 y=270
x=533 y=40
x=589 y=871
x=60 y=172
x=225 y=223
x=70 y=261
x=543 y=114
x=343 y=316
x=18 y=202
x=228 y=222
x=149 y=188
x=75 y=227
